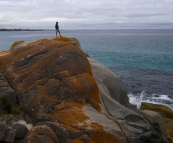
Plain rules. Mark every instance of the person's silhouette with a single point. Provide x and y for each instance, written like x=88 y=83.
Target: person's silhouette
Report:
x=57 y=29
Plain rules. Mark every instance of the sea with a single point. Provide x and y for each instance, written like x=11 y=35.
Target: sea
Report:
x=141 y=58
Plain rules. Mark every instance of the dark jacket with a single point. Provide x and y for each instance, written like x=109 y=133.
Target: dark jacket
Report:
x=56 y=26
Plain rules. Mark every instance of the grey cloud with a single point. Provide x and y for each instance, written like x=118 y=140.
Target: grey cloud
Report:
x=142 y=15
x=81 y=14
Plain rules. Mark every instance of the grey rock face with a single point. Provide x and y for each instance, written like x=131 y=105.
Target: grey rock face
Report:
x=157 y=120
x=115 y=100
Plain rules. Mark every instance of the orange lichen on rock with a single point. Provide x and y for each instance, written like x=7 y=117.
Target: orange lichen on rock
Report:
x=47 y=72
x=52 y=80
x=71 y=40
x=85 y=86
x=76 y=141
x=3 y=54
x=64 y=39
x=104 y=137
x=70 y=113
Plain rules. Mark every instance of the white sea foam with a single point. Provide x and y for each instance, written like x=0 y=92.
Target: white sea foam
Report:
x=137 y=99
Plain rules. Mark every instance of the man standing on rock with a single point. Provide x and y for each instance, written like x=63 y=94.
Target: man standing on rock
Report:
x=57 y=29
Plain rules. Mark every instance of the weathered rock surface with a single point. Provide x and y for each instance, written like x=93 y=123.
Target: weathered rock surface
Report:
x=156 y=120
x=115 y=101
x=167 y=115
x=68 y=98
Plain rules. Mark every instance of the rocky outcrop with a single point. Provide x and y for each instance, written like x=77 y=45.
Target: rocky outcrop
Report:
x=67 y=97
x=116 y=102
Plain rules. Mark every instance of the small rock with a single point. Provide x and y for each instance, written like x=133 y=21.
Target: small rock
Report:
x=21 y=131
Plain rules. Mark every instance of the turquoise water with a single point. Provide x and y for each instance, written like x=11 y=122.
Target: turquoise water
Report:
x=143 y=59
x=136 y=48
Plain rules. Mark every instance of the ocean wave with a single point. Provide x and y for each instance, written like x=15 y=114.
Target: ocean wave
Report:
x=138 y=98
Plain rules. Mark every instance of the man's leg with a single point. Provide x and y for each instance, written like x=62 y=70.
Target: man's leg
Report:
x=60 y=34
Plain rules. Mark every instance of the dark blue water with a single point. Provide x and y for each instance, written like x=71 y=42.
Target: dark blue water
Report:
x=143 y=59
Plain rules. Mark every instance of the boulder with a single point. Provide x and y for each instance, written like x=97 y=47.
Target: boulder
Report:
x=167 y=115
x=109 y=84
x=21 y=130
x=156 y=120
x=115 y=100
x=163 y=110
x=71 y=98
x=43 y=66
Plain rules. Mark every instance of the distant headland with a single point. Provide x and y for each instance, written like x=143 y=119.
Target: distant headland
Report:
x=19 y=29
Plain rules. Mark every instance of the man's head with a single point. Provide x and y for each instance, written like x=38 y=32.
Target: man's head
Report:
x=56 y=22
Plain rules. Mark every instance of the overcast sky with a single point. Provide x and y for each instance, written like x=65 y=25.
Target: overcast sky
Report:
x=87 y=14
